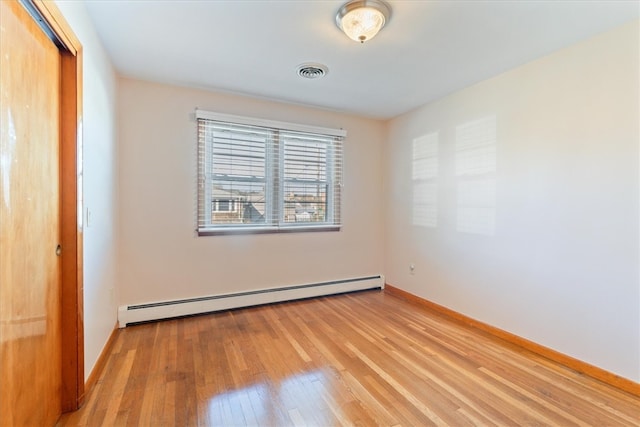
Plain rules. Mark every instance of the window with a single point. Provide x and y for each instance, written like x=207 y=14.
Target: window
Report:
x=265 y=176
x=224 y=205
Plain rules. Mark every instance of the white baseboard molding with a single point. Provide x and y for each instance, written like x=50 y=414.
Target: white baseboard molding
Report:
x=137 y=313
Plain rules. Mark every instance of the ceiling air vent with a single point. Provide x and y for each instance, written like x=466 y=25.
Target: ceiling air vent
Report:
x=310 y=70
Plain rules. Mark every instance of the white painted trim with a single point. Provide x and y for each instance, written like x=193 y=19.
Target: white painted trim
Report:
x=251 y=121
x=169 y=309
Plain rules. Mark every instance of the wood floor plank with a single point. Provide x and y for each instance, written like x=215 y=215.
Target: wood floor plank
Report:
x=366 y=358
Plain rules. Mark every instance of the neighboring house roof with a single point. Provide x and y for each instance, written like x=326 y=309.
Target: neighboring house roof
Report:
x=251 y=214
x=220 y=193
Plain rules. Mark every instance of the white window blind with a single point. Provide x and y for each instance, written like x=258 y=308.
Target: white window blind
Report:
x=262 y=176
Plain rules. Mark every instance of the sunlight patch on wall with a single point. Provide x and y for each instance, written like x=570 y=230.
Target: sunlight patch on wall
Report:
x=475 y=162
x=424 y=178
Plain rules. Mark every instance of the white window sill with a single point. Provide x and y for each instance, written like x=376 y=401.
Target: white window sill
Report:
x=220 y=231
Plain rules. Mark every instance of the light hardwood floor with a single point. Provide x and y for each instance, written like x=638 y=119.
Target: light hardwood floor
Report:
x=367 y=358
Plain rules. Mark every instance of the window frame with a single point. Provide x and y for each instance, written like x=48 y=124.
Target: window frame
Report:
x=274 y=179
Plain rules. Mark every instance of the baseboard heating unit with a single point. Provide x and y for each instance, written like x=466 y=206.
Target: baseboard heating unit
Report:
x=167 y=309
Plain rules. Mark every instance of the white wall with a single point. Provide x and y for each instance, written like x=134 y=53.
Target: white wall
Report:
x=160 y=258
x=100 y=184
x=536 y=231
x=552 y=256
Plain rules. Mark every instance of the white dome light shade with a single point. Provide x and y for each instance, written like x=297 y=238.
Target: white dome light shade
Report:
x=362 y=24
x=361 y=20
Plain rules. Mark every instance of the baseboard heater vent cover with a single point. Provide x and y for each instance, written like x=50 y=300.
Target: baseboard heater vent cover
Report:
x=129 y=314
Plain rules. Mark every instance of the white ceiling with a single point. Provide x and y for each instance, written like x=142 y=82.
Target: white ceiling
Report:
x=428 y=48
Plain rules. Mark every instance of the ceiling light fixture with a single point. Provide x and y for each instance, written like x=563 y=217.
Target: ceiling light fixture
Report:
x=362 y=19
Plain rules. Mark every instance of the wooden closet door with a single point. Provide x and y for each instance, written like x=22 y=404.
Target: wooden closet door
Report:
x=30 y=284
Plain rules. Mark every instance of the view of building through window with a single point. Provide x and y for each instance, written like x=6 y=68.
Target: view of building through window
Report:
x=260 y=176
